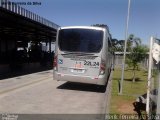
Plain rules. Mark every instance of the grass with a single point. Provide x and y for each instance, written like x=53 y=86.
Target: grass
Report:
x=121 y=104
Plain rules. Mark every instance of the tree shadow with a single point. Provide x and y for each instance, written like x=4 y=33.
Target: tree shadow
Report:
x=130 y=69
x=116 y=78
x=129 y=79
x=136 y=80
x=145 y=73
x=82 y=87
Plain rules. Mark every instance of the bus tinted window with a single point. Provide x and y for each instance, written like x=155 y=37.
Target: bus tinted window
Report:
x=80 y=40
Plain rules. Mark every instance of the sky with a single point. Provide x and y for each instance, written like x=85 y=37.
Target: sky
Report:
x=144 y=19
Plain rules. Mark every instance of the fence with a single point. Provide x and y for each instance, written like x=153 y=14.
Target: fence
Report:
x=119 y=58
x=153 y=91
x=156 y=81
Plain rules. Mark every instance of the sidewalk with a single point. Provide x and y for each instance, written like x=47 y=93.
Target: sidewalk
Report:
x=26 y=69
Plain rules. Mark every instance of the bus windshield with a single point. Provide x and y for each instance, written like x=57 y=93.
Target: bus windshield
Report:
x=80 y=40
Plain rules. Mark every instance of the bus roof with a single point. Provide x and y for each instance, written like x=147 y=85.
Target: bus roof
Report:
x=84 y=27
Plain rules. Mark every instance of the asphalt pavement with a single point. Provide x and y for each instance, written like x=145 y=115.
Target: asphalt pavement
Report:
x=39 y=96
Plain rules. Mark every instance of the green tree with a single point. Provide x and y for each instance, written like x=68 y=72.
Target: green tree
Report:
x=114 y=45
x=137 y=53
x=132 y=41
x=121 y=45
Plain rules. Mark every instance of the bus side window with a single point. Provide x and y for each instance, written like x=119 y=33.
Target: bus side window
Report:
x=109 y=45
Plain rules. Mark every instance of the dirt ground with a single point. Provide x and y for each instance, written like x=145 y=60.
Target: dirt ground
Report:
x=126 y=107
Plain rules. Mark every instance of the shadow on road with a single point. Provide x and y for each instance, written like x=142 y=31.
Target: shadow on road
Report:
x=82 y=87
x=20 y=72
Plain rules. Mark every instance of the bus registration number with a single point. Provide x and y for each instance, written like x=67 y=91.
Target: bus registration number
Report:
x=89 y=63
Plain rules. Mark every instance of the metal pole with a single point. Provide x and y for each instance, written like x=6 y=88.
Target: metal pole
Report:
x=149 y=75
x=125 y=46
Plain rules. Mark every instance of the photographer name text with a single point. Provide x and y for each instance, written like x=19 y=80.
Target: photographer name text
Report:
x=22 y=3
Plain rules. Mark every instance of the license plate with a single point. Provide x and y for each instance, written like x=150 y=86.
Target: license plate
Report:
x=77 y=71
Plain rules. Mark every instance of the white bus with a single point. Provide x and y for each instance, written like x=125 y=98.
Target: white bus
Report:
x=83 y=54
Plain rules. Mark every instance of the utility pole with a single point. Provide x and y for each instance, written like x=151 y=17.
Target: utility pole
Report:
x=125 y=47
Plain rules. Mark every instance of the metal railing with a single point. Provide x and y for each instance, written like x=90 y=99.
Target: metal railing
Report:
x=13 y=7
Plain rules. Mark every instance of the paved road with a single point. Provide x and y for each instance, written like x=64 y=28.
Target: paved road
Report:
x=38 y=95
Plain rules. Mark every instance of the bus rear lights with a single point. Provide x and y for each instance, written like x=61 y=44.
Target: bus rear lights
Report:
x=55 y=63
x=102 y=67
